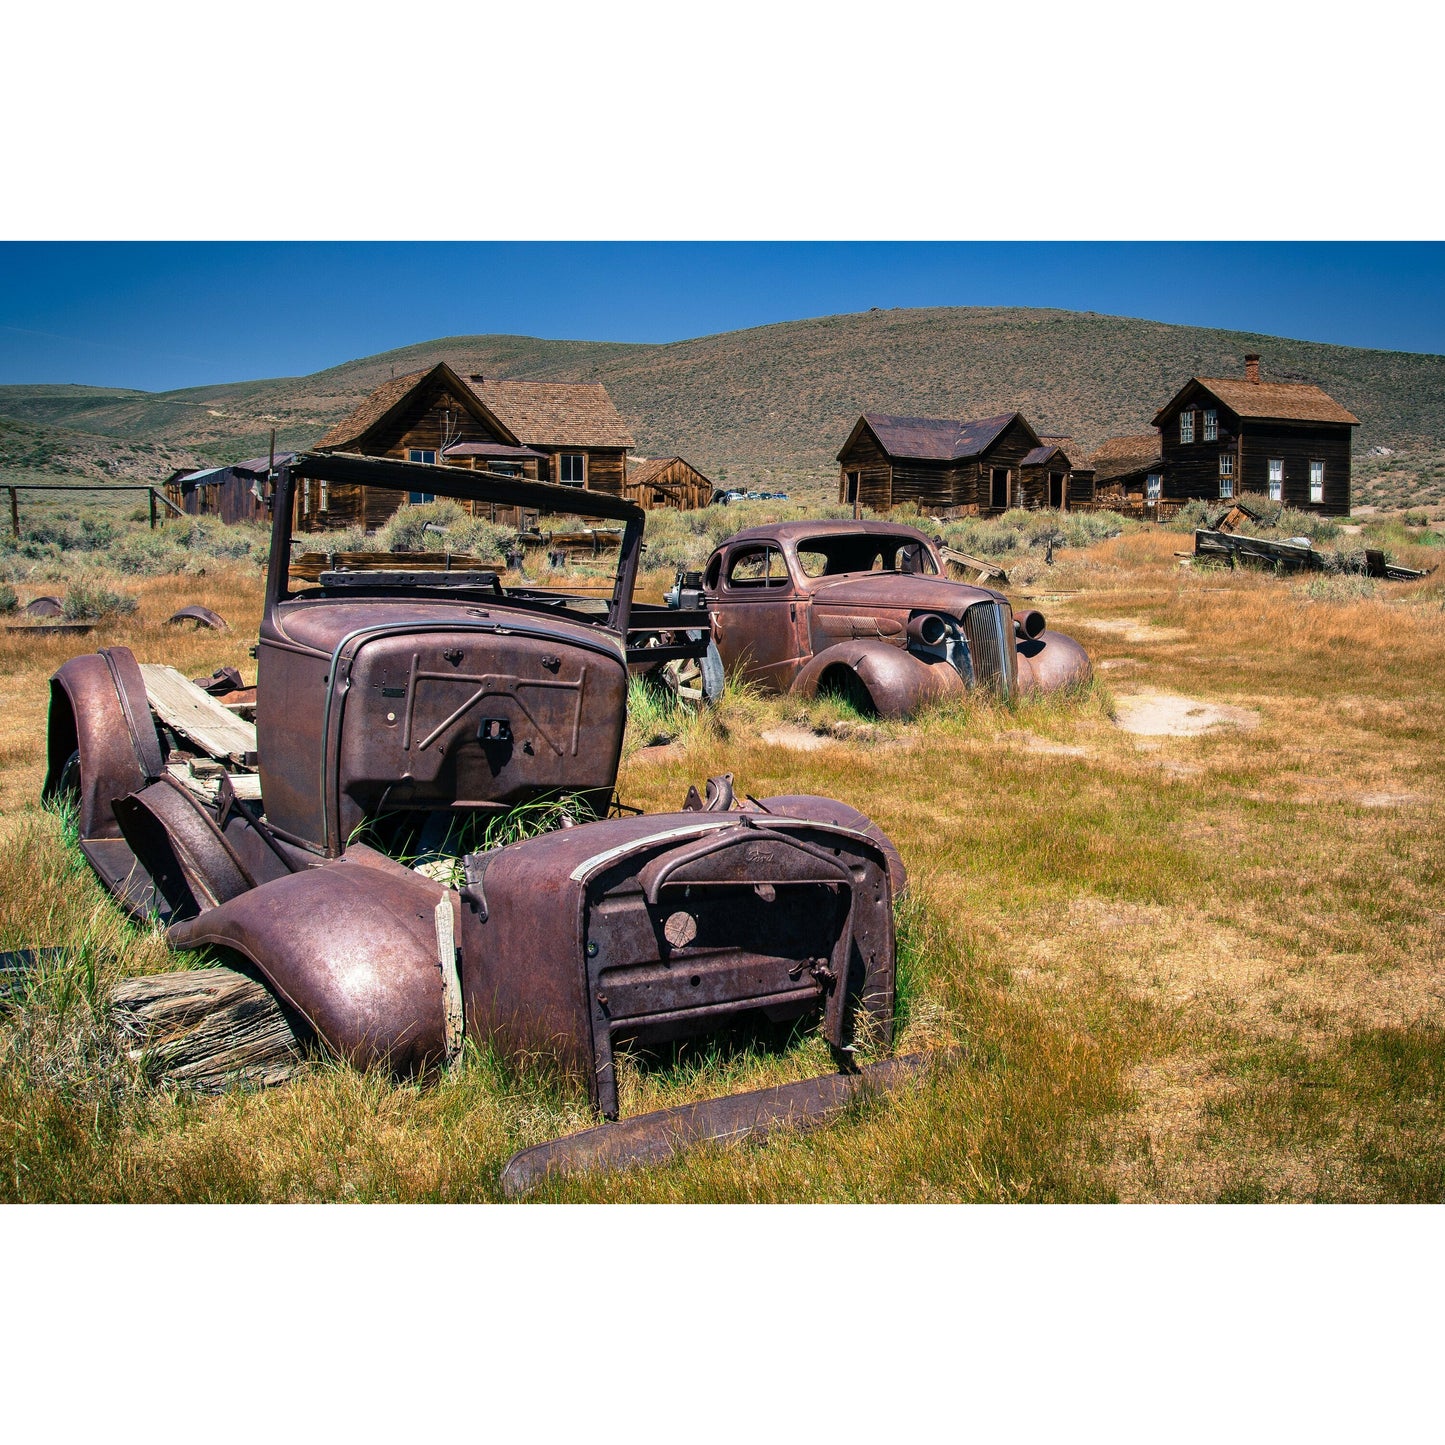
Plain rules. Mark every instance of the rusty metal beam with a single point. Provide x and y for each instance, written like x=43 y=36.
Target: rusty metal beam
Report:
x=656 y=1137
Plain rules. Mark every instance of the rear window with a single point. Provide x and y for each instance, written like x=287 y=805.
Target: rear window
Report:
x=832 y=556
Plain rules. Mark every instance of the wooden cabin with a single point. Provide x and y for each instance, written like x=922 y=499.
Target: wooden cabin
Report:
x=950 y=468
x=548 y=431
x=1129 y=469
x=667 y=482
x=1287 y=440
x=1048 y=477
x=234 y=493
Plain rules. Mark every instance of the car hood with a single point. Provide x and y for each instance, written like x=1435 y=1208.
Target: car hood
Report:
x=893 y=589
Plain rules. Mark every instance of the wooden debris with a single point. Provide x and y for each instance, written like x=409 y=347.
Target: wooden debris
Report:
x=209 y=1029
x=1293 y=556
x=181 y=705
x=205 y=784
x=984 y=571
x=309 y=566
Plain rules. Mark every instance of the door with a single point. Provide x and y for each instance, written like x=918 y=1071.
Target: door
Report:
x=756 y=615
x=998 y=488
x=1056 y=491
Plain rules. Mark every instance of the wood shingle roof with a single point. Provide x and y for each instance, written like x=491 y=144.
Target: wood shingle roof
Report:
x=555 y=413
x=1267 y=400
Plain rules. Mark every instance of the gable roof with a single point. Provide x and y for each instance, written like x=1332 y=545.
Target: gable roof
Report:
x=934 y=439
x=1118 y=456
x=647 y=471
x=555 y=413
x=392 y=396
x=1266 y=400
x=1039 y=455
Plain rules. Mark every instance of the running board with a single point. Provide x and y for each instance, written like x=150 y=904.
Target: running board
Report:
x=653 y=1138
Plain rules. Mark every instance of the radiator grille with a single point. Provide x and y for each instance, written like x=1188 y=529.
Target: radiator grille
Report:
x=988 y=626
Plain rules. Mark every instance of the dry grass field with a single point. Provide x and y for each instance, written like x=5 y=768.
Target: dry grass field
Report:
x=1179 y=965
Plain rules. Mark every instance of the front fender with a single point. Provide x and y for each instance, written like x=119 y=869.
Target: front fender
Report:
x=352 y=947
x=1052 y=661
x=98 y=707
x=897 y=681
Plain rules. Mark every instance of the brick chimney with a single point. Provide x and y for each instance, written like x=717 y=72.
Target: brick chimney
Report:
x=477 y=375
x=1251 y=368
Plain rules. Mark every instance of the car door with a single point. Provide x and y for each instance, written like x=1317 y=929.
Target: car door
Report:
x=755 y=615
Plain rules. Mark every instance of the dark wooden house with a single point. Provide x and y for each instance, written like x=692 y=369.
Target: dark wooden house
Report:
x=1129 y=468
x=1050 y=477
x=576 y=435
x=1221 y=436
x=950 y=467
x=574 y=425
x=234 y=493
x=667 y=482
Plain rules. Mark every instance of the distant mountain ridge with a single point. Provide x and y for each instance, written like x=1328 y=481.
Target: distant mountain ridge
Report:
x=785 y=395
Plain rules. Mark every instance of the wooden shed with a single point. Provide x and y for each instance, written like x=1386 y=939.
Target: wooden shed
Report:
x=234 y=493
x=667 y=482
x=1220 y=436
x=945 y=467
x=1128 y=468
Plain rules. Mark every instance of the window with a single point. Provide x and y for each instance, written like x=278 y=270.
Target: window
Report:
x=505 y=469
x=415 y=498
x=1226 y=474
x=1317 y=481
x=305 y=496
x=1153 y=485
x=1276 y=479
x=573 y=469
x=1211 y=426
x=418 y=455
x=323 y=506
x=1186 y=426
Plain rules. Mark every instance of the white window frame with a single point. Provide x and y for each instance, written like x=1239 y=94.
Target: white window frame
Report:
x=1211 y=426
x=1226 y=474
x=1186 y=428
x=1276 y=479
x=1317 y=481
x=562 y=459
x=1153 y=486
x=422 y=454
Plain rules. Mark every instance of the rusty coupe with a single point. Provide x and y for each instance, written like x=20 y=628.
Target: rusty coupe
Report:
x=324 y=845
x=865 y=609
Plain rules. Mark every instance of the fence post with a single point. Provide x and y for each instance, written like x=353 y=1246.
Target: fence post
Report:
x=153 y=508
x=14 y=512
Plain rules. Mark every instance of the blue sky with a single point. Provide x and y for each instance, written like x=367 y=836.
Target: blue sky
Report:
x=164 y=315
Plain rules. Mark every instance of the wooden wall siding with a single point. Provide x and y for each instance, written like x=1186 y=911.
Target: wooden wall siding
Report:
x=1011 y=447
x=1297 y=446
x=1191 y=469
x=1032 y=491
x=606 y=470
x=677 y=485
x=1082 y=487
x=928 y=485
x=422 y=427
x=871 y=462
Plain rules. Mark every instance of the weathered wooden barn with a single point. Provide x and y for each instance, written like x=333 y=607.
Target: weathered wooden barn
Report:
x=667 y=482
x=234 y=493
x=549 y=431
x=1288 y=440
x=950 y=467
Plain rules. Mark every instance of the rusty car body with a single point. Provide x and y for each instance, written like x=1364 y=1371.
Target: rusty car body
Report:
x=331 y=845
x=866 y=609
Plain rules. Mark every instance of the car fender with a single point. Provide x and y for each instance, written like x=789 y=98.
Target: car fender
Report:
x=1052 y=661
x=352 y=947
x=99 y=708
x=897 y=681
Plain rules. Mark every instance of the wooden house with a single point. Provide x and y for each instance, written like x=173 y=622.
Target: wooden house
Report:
x=950 y=467
x=574 y=425
x=548 y=431
x=1129 y=468
x=234 y=493
x=667 y=482
x=1049 y=477
x=1221 y=436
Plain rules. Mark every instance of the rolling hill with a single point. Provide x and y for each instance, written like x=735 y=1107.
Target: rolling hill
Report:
x=783 y=397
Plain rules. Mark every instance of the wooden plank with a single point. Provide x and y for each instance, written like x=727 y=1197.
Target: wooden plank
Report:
x=209 y=1029
x=197 y=716
x=246 y=786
